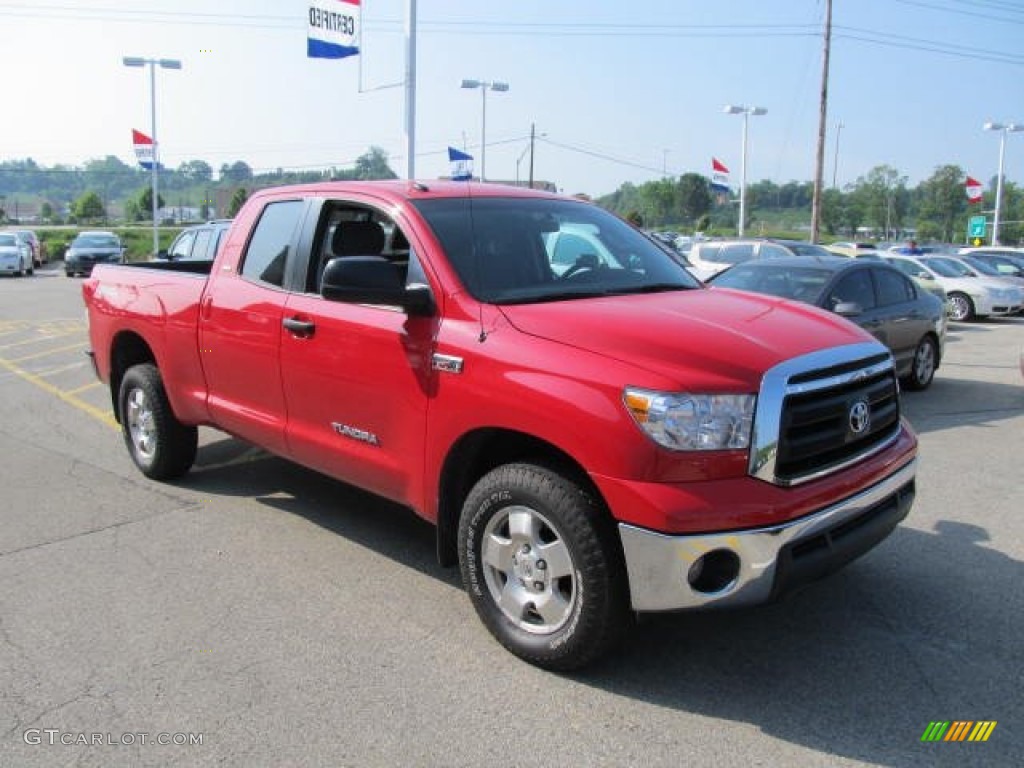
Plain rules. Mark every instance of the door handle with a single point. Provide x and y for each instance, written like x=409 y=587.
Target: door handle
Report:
x=301 y=328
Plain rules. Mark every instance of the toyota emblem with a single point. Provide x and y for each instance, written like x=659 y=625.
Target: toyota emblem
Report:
x=860 y=417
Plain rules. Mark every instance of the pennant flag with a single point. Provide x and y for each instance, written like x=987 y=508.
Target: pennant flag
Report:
x=974 y=190
x=333 y=29
x=462 y=165
x=143 y=145
x=719 y=175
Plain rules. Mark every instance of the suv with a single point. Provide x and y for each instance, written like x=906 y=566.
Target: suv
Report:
x=198 y=243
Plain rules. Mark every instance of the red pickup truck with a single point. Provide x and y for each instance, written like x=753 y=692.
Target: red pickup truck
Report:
x=592 y=431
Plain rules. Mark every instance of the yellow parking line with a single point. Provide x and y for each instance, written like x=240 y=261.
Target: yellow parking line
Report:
x=90 y=385
x=79 y=345
x=61 y=369
x=37 y=339
x=103 y=416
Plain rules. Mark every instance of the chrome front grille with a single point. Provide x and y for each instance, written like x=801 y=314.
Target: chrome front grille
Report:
x=824 y=411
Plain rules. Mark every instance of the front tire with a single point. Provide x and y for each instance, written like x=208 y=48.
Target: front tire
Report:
x=961 y=308
x=161 y=446
x=922 y=368
x=543 y=567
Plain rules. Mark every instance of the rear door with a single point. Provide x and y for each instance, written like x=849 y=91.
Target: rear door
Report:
x=902 y=314
x=240 y=329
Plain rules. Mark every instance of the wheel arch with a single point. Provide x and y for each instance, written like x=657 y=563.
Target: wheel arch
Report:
x=477 y=453
x=127 y=349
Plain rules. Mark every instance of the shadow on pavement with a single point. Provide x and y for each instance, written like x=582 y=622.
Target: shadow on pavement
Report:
x=926 y=627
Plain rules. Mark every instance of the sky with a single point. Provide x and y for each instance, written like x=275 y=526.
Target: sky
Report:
x=616 y=92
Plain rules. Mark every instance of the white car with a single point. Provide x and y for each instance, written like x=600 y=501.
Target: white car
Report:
x=15 y=255
x=970 y=296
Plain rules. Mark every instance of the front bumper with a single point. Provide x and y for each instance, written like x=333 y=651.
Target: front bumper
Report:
x=757 y=565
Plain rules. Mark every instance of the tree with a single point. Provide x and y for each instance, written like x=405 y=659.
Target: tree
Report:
x=89 y=207
x=374 y=165
x=882 y=198
x=236 y=173
x=145 y=203
x=46 y=211
x=833 y=210
x=659 y=201
x=196 y=172
x=694 y=196
x=237 y=201
x=943 y=204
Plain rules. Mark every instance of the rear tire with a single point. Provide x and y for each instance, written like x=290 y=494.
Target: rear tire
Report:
x=542 y=564
x=922 y=367
x=161 y=446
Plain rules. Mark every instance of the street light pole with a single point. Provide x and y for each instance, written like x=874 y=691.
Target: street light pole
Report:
x=136 y=61
x=734 y=109
x=484 y=86
x=1003 y=130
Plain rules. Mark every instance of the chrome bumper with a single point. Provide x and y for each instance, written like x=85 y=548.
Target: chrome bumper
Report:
x=754 y=566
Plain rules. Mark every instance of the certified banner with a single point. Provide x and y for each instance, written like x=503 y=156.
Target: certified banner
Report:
x=719 y=175
x=333 y=29
x=462 y=165
x=143 y=145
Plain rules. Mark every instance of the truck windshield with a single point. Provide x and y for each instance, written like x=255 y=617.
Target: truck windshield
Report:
x=525 y=250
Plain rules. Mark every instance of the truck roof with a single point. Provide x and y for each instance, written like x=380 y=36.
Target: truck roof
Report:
x=408 y=190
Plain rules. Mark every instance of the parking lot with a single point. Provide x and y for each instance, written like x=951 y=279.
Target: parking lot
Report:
x=256 y=613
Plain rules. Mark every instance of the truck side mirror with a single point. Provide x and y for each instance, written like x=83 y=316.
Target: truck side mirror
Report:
x=373 y=280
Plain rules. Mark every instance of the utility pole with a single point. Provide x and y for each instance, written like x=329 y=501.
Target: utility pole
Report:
x=533 y=141
x=835 y=163
x=819 y=163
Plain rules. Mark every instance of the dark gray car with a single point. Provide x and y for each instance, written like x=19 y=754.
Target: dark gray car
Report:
x=874 y=295
x=92 y=248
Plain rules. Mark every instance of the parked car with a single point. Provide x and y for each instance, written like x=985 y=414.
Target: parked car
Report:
x=15 y=255
x=969 y=296
x=197 y=243
x=38 y=249
x=91 y=248
x=712 y=256
x=1007 y=260
x=982 y=268
x=874 y=295
x=855 y=250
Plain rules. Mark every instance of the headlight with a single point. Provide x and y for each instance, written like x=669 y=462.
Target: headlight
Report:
x=684 y=422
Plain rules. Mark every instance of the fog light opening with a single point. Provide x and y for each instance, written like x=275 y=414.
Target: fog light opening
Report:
x=714 y=571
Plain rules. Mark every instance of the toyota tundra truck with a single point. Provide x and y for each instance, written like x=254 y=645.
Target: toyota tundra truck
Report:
x=592 y=431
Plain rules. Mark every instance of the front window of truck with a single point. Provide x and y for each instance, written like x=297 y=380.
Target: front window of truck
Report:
x=529 y=250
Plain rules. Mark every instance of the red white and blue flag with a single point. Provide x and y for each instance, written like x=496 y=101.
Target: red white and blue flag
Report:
x=462 y=165
x=974 y=190
x=719 y=175
x=333 y=28
x=143 y=145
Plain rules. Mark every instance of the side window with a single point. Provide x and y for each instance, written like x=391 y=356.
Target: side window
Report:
x=182 y=247
x=200 y=249
x=737 y=253
x=773 y=251
x=709 y=253
x=267 y=254
x=893 y=288
x=855 y=287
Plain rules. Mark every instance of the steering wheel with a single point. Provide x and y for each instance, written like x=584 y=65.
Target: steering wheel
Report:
x=584 y=263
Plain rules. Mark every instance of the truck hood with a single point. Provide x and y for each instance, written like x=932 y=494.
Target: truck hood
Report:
x=710 y=338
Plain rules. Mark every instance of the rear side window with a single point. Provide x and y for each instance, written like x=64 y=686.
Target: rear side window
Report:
x=199 y=250
x=182 y=247
x=271 y=241
x=855 y=287
x=893 y=288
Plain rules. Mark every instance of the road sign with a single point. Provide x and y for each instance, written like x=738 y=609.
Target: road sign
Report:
x=976 y=226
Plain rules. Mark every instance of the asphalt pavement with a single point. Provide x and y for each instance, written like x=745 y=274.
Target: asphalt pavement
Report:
x=256 y=613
